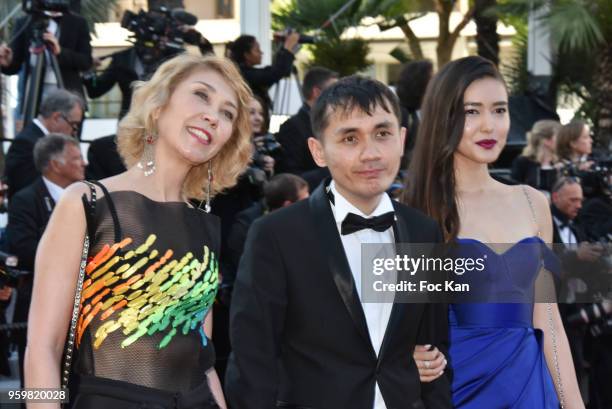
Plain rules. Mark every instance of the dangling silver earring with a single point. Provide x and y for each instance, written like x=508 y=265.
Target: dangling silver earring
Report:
x=147 y=161
x=208 y=187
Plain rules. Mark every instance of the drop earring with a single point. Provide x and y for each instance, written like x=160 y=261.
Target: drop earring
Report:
x=147 y=161
x=208 y=188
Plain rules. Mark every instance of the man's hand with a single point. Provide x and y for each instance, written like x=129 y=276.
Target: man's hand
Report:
x=5 y=293
x=6 y=55
x=431 y=364
x=52 y=40
x=291 y=41
x=589 y=251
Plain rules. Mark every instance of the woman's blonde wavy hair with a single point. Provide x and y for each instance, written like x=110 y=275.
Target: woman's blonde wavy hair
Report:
x=155 y=93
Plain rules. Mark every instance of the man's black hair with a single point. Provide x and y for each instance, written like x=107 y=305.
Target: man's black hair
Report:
x=349 y=93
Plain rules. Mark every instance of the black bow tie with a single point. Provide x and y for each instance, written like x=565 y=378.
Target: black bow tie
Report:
x=353 y=223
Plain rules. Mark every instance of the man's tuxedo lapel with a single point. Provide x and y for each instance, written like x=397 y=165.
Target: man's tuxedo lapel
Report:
x=398 y=312
x=331 y=246
x=47 y=201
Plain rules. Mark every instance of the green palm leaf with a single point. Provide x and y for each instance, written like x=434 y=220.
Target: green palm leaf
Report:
x=573 y=26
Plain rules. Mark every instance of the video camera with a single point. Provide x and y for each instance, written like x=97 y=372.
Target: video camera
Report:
x=42 y=6
x=304 y=38
x=40 y=10
x=267 y=145
x=597 y=180
x=160 y=28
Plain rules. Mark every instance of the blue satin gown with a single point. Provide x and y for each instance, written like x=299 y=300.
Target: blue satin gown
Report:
x=496 y=355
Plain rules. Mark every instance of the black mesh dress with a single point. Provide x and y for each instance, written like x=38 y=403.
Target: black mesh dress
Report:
x=151 y=278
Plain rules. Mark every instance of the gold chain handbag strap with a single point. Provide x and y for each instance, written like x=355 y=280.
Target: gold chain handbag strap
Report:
x=551 y=324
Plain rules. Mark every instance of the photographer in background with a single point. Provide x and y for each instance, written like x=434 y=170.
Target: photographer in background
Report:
x=294 y=132
x=267 y=150
x=157 y=35
x=67 y=37
x=246 y=53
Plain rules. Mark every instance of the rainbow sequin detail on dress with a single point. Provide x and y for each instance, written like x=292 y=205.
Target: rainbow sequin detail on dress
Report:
x=142 y=292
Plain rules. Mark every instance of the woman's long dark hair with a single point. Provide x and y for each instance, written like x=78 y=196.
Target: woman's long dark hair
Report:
x=430 y=183
x=235 y=50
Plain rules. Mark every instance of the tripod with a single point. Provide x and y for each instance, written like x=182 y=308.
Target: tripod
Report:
x=42 y=56
x=282 y=105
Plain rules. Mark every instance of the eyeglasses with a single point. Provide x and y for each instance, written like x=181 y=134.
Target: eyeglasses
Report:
x=75 y=125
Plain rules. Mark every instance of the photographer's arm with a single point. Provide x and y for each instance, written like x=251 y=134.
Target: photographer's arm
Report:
x=19 y=48
x=56 y=273
x=280 y=68
x=100 y=84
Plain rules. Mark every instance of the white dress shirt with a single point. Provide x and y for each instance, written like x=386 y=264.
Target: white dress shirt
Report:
x=55 y=191
x=567 y=235
x=376 y=314
x=39 y=124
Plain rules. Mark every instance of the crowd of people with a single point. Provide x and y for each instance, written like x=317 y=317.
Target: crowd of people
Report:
x=194 y=213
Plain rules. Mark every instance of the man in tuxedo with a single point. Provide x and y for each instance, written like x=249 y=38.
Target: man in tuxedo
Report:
x=302 y=336
x=67 y=37
x=294 y=132
x=58 y=158
x=60 y=112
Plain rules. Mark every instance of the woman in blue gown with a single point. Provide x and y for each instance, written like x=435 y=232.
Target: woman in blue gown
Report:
x=502 y=355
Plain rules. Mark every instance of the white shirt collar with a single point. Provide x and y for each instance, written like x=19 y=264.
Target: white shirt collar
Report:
x=55 y=191
x=342 y=206
x=39 y=124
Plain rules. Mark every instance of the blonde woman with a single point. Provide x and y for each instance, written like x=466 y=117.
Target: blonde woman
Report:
x=143 y=329
x=535 y=166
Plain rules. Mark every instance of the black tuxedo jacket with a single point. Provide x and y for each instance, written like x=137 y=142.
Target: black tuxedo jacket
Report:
x=293 y=136
x=75 y=55
x=28 y=215
x=19 y=168
x=298 y=330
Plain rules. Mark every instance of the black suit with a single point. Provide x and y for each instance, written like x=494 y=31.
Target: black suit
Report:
x=28 y=215
x=74 y=57
x=19 y=169
x=293 y=135
x=296 y=158
x=298 y=330
x=103 y=159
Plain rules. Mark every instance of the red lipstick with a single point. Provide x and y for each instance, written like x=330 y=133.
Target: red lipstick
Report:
x=487 y=143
